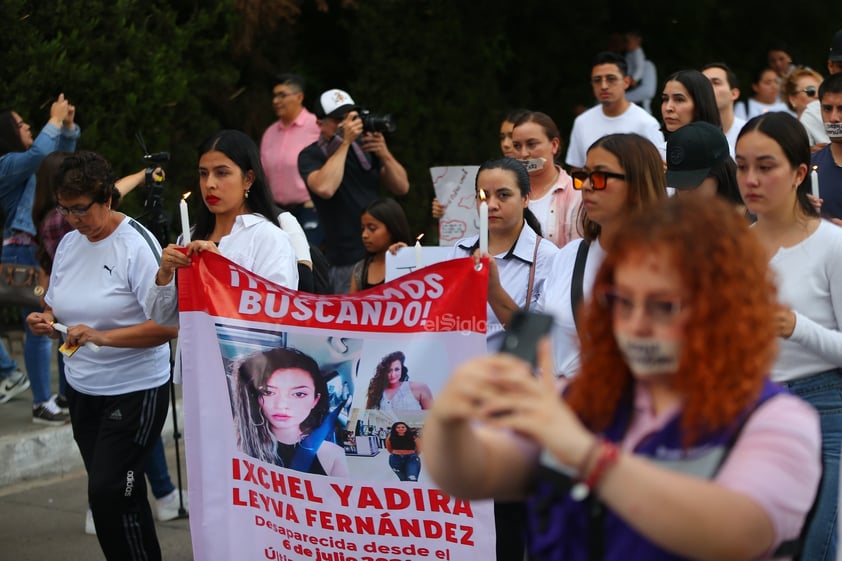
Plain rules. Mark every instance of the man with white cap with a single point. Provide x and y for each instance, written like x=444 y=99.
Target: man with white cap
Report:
x=811 y=118
x=344 y=170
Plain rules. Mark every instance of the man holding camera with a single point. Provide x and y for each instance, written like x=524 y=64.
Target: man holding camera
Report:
x=345 y=169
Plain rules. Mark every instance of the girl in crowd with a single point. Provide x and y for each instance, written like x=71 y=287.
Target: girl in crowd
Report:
x=237 y=219
x=773 y=158
x=519 y=266
x=623 y=173
x=671 y=442
x=687 y=97
x=402 y=444
x=552 y=199
x=281 y=405
x=391 y=390
x=766 y=97
x=118 y=396
x=20 y=157
x=383 y=224
x=520 y=257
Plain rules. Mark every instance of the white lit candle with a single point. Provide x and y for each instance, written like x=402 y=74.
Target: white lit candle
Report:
x=185 y=219
x=483 y=223
x=419 y=258
x=814 y=181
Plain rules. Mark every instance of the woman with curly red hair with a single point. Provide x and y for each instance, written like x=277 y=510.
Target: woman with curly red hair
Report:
x=671 y=442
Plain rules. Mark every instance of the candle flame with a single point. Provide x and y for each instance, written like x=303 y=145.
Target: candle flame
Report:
x=421 y=235
x=482 y=194
x=815 y=168
x=185 y=195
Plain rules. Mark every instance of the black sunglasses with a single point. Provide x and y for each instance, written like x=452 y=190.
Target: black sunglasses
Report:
x=599 y=179
x=811 y=91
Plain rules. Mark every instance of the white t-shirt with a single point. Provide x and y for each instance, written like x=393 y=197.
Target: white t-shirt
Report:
x=593 y=124
x=555 y=300
x=254 y=243
x=732 y=134
x=755 y=108
x=811 y=118
x=809 y=279
x=513 y=267
x=103 y=284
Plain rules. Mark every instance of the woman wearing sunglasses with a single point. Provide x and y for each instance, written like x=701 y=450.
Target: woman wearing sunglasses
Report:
x=671 y=443
x=799 y=88
x=622 y=173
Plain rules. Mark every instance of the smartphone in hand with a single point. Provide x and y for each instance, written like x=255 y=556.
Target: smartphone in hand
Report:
x=524 y=332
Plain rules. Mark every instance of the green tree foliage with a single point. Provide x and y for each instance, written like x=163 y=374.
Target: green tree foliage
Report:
x=157 y=68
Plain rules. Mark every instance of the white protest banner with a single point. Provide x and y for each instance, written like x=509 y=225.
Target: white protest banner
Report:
x=454 y=187
x=407 y=259
x=286 y=416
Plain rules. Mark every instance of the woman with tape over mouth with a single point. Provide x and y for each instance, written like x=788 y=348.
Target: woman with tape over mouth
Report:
x=237 y=219
x=552 y=198
x=671 y=442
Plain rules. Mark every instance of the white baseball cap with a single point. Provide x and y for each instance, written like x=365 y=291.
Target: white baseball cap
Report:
x=334 y=104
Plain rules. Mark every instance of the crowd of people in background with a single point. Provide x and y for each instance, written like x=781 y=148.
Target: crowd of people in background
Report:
x=649 y=240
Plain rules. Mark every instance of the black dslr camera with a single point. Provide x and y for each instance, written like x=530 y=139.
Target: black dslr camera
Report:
x=372 y=122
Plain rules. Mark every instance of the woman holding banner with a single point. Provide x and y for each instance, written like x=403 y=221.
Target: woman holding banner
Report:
x=671 y=442
x=520 y=257
x=237 y=219
x=282 y=413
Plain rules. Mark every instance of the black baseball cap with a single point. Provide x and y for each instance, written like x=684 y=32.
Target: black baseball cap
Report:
x=835 y=53
x=692 y=151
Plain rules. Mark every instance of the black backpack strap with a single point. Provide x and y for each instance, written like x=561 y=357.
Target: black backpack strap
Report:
x=576 y=290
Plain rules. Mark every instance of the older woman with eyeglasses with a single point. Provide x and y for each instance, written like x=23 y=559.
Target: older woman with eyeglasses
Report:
x=118 y=360
x=622 y=173
x=800 y=87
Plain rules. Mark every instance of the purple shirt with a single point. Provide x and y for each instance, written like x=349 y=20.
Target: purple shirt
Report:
x=279 y=150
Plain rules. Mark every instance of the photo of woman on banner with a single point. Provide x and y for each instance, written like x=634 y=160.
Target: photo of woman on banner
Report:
x=402 y=444
x=282 y=412
x=391 y=390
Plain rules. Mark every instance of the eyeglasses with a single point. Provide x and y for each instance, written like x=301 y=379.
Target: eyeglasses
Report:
x=76 y=210
x=611 y=79
x=599 y=179
x=662 y=310
x=811 y=91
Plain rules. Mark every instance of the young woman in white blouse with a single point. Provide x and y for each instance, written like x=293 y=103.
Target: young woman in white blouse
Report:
x=773 y=158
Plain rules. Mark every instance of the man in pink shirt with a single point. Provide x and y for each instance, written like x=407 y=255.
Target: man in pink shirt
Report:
x=283 y=140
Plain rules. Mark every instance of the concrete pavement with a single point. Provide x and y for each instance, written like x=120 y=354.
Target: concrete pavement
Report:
x=43 y=487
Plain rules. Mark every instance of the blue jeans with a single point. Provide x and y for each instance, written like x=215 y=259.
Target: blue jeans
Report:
x=406 y=466
x=157 y=471
x=824 y=392
x=7 y=363
x=37 y=349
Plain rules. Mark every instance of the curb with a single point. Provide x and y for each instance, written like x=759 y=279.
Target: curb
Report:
x=52 y=451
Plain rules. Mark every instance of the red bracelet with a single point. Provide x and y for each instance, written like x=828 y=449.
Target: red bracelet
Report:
x=582 y=469
x=608 y=455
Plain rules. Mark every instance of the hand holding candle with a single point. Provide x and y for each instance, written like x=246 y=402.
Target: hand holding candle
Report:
x=814 y=181
x=483 y=223
x=419 y=260
x=185 y=219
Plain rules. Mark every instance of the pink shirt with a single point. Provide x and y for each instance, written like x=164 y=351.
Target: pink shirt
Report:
x=279 y=150
x=776 y=460
x=559 y=218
